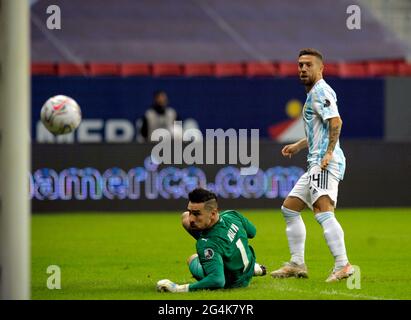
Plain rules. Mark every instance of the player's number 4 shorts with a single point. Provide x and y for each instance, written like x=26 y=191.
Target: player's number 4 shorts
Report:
x=314 y=184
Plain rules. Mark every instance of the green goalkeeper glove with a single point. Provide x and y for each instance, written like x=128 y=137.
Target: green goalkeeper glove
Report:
x=169 y=286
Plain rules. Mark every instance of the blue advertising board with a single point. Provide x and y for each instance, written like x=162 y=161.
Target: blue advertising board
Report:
x=111 y=106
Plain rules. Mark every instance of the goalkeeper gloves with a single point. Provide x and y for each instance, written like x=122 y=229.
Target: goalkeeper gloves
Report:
x=169 y=286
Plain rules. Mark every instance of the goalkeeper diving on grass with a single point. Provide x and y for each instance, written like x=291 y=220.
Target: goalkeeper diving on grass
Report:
x=224 y=259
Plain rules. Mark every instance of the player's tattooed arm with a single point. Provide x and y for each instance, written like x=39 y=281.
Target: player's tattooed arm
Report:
x=334 y=133
x=335 y=125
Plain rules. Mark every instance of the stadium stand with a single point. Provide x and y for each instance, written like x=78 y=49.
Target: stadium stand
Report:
x=382 y=68
x=353 y=70
x=198 y=31
x=363 y=69
x=104 y=69
x=331 y=69
x=287 y=69
x=229 y=70
x=395 y=15
x=212 y=38
x=258 y=69
x=71 y=69
x=198 y=69
x=404 y=69
x=135 y=69
x=167 y=69
x=43 y=69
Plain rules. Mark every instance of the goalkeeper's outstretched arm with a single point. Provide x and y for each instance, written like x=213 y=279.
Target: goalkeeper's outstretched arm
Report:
x=214 y=270
x=214 y=279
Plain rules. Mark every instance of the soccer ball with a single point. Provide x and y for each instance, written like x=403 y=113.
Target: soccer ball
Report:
x=60 y=115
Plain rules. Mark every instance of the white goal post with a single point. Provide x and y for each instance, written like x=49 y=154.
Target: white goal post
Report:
x=14 y=149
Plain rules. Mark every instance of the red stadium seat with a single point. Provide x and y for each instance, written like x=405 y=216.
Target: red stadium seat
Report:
x=287 y=69
x=404 y=69
x=353 y=70
x=260 y=69
x=229 y=69
x=331 y=70
x=167 y=69
x=135 y=69
x=104 y=69
x=43 y=69
x=198 y=69
x=382 y=68
x=71 y=69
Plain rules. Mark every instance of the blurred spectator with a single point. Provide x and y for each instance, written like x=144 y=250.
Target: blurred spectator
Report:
x=159 y=115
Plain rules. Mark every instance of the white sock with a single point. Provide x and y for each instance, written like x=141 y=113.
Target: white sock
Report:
x=334 y=235
x=295 y=233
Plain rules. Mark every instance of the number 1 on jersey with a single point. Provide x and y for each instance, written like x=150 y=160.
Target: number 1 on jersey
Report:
x=244 y=257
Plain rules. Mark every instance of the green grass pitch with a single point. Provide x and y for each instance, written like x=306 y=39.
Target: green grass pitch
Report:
x=122 y=256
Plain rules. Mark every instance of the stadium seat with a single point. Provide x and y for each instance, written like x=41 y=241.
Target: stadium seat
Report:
x=43 y=69
x=71 y=69
x=104 y=69
x=135 y=69
x=166 y=69
x=404 y=69
x=331 y=70
x=287 y=69
x=382 y=68
x=224 y=69
x=357 y=69
x=260 y=69
x=198 y=69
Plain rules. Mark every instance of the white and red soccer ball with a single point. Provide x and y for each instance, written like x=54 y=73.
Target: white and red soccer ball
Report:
x=60 y=115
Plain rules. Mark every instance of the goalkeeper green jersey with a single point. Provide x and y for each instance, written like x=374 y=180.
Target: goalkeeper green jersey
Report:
x=224 y=253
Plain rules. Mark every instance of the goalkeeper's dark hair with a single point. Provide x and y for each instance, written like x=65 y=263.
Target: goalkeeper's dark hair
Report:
x=201 y=195
x=311 y=52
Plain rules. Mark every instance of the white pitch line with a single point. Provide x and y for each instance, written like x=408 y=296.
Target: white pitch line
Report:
x=333 y=292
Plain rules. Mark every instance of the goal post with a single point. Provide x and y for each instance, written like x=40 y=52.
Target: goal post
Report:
x=14 y=149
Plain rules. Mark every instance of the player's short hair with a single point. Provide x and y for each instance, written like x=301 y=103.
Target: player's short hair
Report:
x=201 y=195
x=311 y=52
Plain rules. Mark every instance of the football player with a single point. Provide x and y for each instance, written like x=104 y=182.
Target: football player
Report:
x=224 y=258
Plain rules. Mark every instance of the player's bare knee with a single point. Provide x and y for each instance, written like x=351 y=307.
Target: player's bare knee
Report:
x=294 y=203
x=191 y=258
x=323 y=204
x=286 y=203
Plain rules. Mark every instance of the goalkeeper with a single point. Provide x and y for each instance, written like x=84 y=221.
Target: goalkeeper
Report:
x=224 y=258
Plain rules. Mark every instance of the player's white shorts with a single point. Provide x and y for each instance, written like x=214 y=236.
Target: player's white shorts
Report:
x=314 y=184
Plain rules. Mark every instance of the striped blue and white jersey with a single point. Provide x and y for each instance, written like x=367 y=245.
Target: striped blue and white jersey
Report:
x=321 y=105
